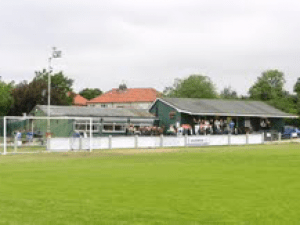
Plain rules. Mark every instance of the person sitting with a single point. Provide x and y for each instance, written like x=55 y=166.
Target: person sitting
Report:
x=130 y=129
x=137 y=131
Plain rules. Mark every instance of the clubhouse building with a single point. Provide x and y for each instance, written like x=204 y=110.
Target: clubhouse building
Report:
x=106 y=121
x=245 y=116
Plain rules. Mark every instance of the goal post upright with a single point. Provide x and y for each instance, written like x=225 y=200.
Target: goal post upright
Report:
x=4 y=134
x=91 y=134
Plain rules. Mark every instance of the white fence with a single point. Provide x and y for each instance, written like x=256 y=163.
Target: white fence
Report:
x=65 y=144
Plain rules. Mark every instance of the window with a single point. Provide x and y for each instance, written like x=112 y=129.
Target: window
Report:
x=81 y=127
x=103 y=106
x=108 y=127
x=114 y=128
x=172 y=114
x=84 y=125
x=119 y=127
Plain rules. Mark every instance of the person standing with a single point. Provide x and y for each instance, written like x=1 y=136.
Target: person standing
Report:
x=217 y=126
x=19 y=138
x=231 y=126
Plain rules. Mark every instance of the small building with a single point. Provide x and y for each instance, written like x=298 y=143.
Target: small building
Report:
x=244 y=114
x=123 y=97
x=105 y=121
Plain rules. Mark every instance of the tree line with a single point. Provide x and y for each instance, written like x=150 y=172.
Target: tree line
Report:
x=16 y=99
x=269 y=87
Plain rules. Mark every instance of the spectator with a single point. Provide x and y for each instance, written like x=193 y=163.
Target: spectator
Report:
x=231 y=126
x=217 y=126
x=221 y=126
x=225 y=126
x=171 y=130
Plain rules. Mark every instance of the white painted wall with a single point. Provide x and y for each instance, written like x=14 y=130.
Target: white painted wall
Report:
x=148 y=142
x=123 y=142
x=65 y=144
x=173 y=141
x=238 y=139
x=255 y=139
x=218 y=140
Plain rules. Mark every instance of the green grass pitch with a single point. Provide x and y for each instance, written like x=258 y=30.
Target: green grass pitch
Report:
x=211 y=185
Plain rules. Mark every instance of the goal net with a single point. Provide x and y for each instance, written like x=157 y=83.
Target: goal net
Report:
x=29 y=134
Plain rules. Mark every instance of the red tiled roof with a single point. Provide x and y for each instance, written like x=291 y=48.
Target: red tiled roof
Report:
x=128 y=95
x=79 y=100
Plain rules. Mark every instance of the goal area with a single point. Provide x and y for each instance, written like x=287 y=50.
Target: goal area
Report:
x=29 y=134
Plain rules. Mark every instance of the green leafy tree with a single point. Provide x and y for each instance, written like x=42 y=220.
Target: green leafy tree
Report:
x=287 y=103
x=90 y=93
x=6 y=99
x=27 y=95
x=297 y=90
x=58 y=80
x=194 y=86
x=61 y=85
x=228 y=93
x=268 y=86
x=297 y=87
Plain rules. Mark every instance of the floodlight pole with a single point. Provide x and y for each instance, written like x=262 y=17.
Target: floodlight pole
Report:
x=49 y=94
x=55 y=54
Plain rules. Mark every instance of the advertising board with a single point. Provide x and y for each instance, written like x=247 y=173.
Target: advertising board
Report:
x=197 y=141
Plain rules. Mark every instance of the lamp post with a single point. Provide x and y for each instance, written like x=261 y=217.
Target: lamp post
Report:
x=55 y=54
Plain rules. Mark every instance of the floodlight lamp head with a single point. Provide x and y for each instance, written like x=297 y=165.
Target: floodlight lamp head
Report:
x=56 y=54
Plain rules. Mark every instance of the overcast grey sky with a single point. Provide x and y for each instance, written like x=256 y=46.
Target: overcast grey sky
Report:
x=150 y=43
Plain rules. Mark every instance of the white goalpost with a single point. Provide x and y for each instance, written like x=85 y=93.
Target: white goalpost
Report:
x=28 y=133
